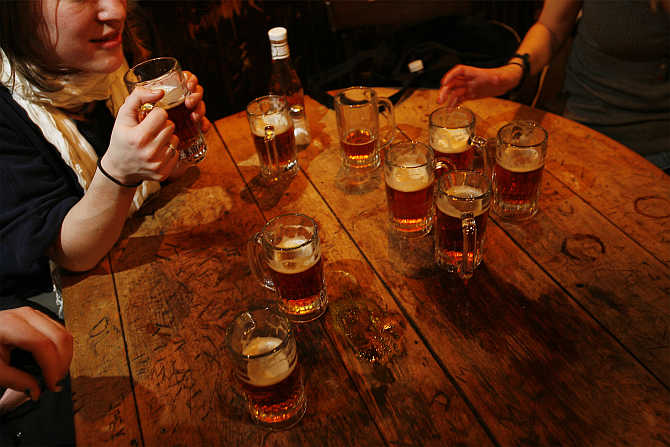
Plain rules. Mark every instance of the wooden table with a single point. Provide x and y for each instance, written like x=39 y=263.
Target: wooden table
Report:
x=561 y=338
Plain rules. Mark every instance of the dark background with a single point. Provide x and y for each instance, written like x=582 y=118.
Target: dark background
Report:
x=334 y=44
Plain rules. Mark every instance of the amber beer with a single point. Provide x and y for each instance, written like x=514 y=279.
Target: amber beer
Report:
x=191 y=142
x=299 y=282
x=463 y=202
x=164 y=73
x=282 y=139
x=358 y=113
x=359 y=145
x=516 y=187
x=451 y=206
x=521 y=148
x=261 y=345
x=410 y=199
x=272 y=132
x=272 y=383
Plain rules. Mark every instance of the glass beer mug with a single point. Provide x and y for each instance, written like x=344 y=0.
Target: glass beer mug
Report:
x=262 y=346
x=285 y=256
x=272 y=132
x=452 y=137
x=164 y=73
x=409 y=175
x=521 y=148
x=463 y=201
x=357 y=111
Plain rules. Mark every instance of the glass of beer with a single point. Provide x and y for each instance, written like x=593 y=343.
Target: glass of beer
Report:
x=463 y=200
x=409 y=174
x=262 y=346
x=164 y=73
x=521 y=148
x=452 y=137
x=272 y=132
x=286 y=258
x=357 y=111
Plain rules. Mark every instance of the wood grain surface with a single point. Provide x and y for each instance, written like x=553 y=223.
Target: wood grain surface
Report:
x=560 y=338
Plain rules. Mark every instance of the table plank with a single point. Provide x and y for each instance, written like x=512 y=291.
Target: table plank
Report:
x=182 y=274
x=405 y=389
x=537 y=368
x=102 y=393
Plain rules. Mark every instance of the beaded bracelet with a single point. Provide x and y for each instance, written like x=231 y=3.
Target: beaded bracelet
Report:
x=125 y=185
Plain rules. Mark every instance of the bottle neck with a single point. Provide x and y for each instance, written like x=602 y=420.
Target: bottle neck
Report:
x=280 y=50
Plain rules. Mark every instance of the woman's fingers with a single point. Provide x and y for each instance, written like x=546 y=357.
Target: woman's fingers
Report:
x=194 y=98
x=205 y=124
x=128 y=113
x=55 y=332
x=191 y=80
x=19 y=381
x=456 y=72
x=23 y=328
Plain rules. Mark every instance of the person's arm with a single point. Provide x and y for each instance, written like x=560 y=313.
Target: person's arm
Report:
x=547 y=35
x=137 y=151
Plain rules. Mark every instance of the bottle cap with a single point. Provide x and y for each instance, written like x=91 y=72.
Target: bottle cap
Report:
x=415 y=65
x=277 y=34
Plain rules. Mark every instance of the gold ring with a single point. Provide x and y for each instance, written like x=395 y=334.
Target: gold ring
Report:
x=171 y=150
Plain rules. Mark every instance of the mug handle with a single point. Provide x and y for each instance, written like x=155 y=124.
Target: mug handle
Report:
x=480 y=144
x=271 y=148
x=388 y=105
x=257 y=263
x=469 y=245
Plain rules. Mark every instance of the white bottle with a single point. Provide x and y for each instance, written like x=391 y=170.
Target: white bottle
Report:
x=284 y=81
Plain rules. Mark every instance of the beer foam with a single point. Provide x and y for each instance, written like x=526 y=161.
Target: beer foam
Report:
x=454 y=207
x=520 y=161
x=173 y=96
x=268 y=370
x=279 y=122
x=450 y=141
x=291 y=242
x=409 y=180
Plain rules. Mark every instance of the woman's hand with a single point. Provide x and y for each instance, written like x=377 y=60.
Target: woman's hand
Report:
x=194 y=101
x=141 y=150
x=49 y=343
x=463 y=82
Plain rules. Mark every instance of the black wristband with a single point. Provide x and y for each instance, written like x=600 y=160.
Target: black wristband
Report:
x=525 y=65
x=106 y=174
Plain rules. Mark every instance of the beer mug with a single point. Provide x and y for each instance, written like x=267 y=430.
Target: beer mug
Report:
x=357 y=111
x=164 y=73
x=286 y=258
x=409 y=174
x=463 y=200
x=452 y=137
x=521 y=148
x=272 y=132
x=262 y=346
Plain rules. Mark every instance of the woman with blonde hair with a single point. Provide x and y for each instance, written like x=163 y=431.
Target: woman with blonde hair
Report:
x=75 y=161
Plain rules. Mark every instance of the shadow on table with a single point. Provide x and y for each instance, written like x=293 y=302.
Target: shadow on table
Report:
x=266 y=196
x=411 y=256
x=352 y=181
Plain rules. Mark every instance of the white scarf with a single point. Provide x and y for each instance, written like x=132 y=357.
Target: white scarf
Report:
x=43 y=108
